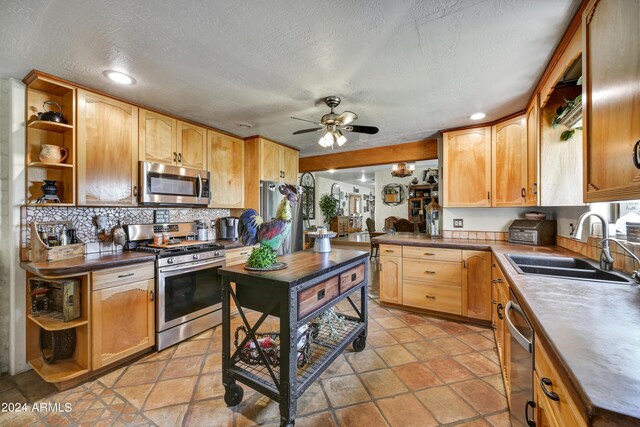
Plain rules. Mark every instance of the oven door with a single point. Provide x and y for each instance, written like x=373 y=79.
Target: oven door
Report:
x=163 y=184
x=188 y=291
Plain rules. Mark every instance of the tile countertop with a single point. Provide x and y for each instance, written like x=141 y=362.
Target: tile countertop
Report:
x=97 y=261
x=593 y=327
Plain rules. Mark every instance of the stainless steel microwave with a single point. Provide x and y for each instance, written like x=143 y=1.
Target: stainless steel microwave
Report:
x=173 y=185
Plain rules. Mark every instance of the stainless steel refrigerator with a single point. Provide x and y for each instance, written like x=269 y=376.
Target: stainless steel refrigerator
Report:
x=270 y=198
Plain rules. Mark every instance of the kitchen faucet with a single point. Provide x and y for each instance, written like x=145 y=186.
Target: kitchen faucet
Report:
x=636 y=273
x=606 y=261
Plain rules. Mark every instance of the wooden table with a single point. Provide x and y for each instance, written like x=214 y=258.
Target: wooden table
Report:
x=312 y=283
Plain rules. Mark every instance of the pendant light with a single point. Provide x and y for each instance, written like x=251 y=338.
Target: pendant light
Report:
x=401 y=170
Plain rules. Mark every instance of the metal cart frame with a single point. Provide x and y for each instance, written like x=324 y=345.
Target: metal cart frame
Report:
x=286 y=382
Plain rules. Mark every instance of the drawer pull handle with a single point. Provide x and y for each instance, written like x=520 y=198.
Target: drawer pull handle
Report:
x=152 y=295
x=320 y=294
x=389 y=250
x=353 y=277
x=244 y=253
x=498 y=280
x=498 y=310
x=125 y=275
x=530 y=421
x=430 y=272
x=429 y=253
x=544 y=382
x=429 y=297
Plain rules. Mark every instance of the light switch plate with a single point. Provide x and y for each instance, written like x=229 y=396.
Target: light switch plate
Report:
x=458 y=223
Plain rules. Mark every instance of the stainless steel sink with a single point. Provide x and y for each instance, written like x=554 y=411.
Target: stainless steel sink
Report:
x=568 y=268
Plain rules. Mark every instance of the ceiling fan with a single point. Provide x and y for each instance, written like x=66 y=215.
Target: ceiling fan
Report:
x=334 y=124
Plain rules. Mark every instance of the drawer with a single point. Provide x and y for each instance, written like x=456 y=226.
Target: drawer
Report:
x=444 y=298
x=317 y=296
x=564 y=409
x=351 y=278
x=390 y=250
x=432 y=253
x=442 y=272
x=121 y=275
x=237 y=256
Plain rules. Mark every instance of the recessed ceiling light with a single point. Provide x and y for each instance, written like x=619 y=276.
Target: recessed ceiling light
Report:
x=331 y=170
x=477 y=116
x=244 y=125
x=118 y=77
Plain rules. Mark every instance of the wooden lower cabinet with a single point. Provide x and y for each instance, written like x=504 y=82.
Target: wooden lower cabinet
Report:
x=432 y=296
x=236 y=256
x=476 y=284
x=122 y=321
x=391 y=279
x=340 y=225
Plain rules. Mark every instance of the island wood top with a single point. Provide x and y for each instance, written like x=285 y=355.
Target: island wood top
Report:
x=303 y=266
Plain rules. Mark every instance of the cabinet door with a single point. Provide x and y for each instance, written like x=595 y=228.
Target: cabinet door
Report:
x=476 y=284
x=157 y=138
x=544 y=415
x=271 y=161
x=533 y=150
x=122 y=319
x=107 y=151
x=192 y=146
x=391 y=279
x=226 y=164
x=467 y=168
x=289 y=166
x=509 y=163
x=611 y=67
x=505 y=337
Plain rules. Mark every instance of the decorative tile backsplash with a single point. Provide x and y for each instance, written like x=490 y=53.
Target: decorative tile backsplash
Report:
x=83 y=219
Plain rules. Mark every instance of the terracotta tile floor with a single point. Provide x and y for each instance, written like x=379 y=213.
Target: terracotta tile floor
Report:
x=415 y=371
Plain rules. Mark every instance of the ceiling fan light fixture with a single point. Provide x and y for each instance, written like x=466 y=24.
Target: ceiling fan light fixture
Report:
x=326 y=140
x=340 y=138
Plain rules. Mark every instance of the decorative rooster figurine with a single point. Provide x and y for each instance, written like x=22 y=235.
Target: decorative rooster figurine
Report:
x=272 y=233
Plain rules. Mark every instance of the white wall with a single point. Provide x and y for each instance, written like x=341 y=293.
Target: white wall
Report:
x=402 y=210
x=12 y=277
x=323 y=186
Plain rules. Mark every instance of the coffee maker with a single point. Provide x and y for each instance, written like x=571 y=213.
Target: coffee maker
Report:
x=228 y=228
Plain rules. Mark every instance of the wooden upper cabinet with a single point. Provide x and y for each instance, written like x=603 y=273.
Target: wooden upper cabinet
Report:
x=509 y=163
x=107 y=151
x=158 y=138
x=289 y=165
x=226 y=165
x=476 y=284
x=532 y=117
x=611 y=92
x=271 y=161
x=191 y=146
x=467 y=167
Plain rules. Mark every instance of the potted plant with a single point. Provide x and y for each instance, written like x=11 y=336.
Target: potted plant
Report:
x=328 y=207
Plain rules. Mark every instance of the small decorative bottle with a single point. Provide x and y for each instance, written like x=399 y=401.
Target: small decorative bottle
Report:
x=434 y=220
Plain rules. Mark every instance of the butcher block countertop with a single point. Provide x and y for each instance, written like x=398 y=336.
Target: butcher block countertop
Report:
x=87 y=263
x=593 y=327
x=302 y=266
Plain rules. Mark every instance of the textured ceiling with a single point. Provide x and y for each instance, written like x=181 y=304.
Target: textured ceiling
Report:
x=408 y=67
x=353 y=175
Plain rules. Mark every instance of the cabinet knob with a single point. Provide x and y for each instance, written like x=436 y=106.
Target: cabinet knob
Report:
x=135 y=191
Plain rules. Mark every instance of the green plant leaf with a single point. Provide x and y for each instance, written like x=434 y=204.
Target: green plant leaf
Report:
x=328 y=207
x=262 y=257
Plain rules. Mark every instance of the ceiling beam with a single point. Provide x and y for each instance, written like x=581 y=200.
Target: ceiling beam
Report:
x=407 y=152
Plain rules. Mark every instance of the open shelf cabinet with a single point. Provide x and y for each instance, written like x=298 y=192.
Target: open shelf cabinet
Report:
x=61 y=370
x=419 y=198
x=42 y=88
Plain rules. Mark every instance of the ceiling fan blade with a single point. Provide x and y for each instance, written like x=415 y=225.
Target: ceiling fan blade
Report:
x=298 y=132
x=347 y=117
x=305 y=120
x=371 y=130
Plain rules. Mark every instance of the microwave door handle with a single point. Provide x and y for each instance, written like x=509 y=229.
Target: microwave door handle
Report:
x=199 y=185
x=522 y=340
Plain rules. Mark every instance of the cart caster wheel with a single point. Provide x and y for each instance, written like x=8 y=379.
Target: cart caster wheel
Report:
x=233 y=394
x=359 y=344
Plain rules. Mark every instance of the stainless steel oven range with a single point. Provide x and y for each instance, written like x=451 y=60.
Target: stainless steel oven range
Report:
x=188 y=287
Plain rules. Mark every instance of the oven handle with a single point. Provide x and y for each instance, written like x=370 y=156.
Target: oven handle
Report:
x=522 y=340
x=193 y=266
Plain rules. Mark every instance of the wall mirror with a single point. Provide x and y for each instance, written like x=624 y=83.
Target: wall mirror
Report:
x=393 y=194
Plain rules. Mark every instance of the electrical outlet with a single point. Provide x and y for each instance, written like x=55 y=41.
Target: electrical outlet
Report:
x=458 y=223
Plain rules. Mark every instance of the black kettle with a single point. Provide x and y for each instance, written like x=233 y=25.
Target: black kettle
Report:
x=52 y=116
